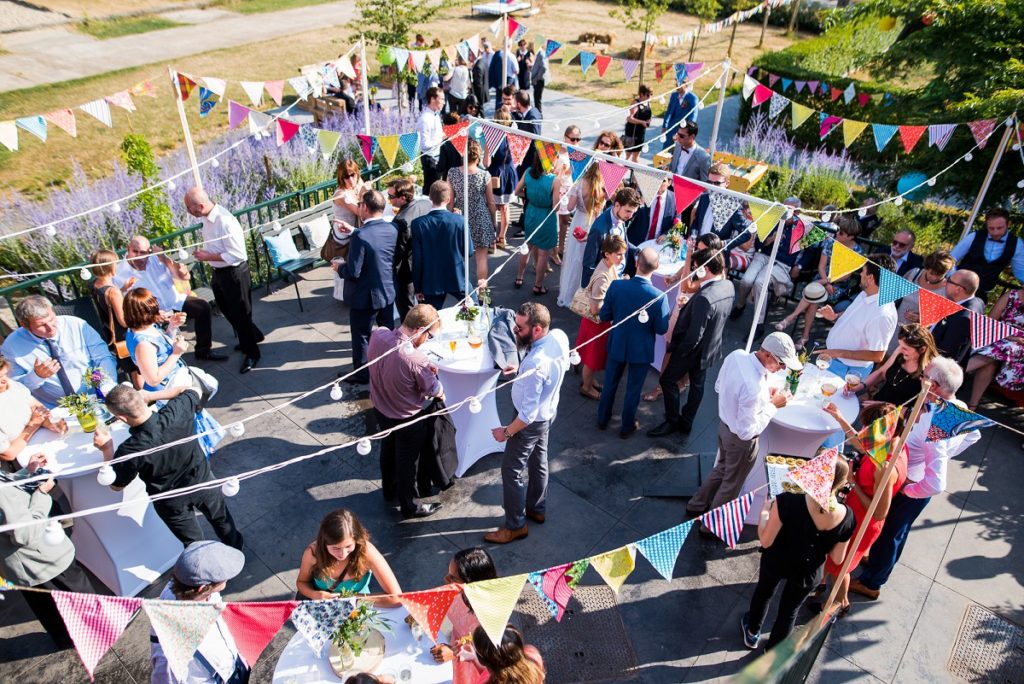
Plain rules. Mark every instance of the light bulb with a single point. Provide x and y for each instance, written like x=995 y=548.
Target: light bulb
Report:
x=407 y=348
x=862 y=212
x=642 y=316
x=85 y=274
x=524 y=249
x=236 y=429
x=1009 y=121
x=646 y=148
x=54 y=533
x=898 y=201
x=336 y=393
x=597 y=125
x=1020 y=183
x=661 y=99
x=105 y=475
x=363 y=446
x=116 y=207
x=826 y=217
x=51 y=231
x=931 y=182
x=574 y=358
x=474 y=405
x=701 y=272
x=407 y=167
x=171 y=186
x=230 y=487
x=558 y=123
x=968 y=157
x=1016 y=147
x=214 y=163
x=182 y=255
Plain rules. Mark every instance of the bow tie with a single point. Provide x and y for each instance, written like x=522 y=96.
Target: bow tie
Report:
x=998 y=241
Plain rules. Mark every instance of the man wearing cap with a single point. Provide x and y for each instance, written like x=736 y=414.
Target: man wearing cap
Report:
x=746 y=405
x=200 y=574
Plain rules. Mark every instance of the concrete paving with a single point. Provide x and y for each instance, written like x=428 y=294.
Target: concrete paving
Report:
x=965 y=549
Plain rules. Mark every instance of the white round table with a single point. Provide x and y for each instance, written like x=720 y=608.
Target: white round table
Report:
x=799 y=428
x=299 y=665
x=127 y=549
x=668 y=267
x=466 y=372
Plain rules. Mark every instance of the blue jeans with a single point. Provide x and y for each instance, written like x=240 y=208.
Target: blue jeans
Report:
x=886 y=550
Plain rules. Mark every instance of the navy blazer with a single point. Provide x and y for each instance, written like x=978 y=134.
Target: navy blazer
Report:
x=953 y=333
x=633 y=341
x=438 y=253
x=494 y=72
x=599 y=229
x=641 y=223
x=529 y=121
x=369 y=270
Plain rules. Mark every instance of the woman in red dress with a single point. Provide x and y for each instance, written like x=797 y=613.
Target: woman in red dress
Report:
x=593 y=355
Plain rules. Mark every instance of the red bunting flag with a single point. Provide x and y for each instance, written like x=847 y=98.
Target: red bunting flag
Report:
x=981 y=129
x=863 y=99
x=685 y=191
x=910 y=135
x=185 y=86
x=611 y=176
x=286 y=130
x=253 y=625
x=933 y=308
x=659 y=71
x=456 y=135
x=603 y=61
x=94 y=622
x=517 y=147
x=429 y=607
x=761 y=95
x=836 y=94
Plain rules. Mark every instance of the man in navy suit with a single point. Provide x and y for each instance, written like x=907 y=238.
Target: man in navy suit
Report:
x=494 y=70
x=439 y=250
x=953 y=333
x=369 y=278
x=625 y=203
x=632 y=343
x=655 y=219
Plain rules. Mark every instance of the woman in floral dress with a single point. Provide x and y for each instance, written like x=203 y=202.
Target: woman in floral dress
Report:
x=1002 y=361
x=481 y=204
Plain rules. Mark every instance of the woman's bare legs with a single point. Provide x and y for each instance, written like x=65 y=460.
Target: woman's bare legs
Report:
x=542 y=268
x=481 y=263
x=984 y=370
x=502 y=223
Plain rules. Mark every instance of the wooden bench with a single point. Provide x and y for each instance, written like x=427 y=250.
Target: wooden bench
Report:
x=309 y=256
x=323 y=108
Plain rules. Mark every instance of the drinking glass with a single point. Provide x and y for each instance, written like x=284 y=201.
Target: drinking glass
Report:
x=405 y=673
x=452 y=343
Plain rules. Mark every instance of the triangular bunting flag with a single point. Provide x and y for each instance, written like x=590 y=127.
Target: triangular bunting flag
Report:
x=892 y=287
x=648 y=183
x=94 y=622
x=932 y=308
x=816 y=476
x=939 y=135
x=722 y=208
x=825 y=90
x=812 y=87
x=766 y=217
x=773 y=79
x=286 y=130
x=883 y=134
x=368 y=146
x=986 y=331
x=629 y=67
x=207 y=100
x=659 y=73
x=849 y=94
x=9 y=135
x=863 y=99
x=457 y=135
x=143 y=88
x=328 y=141
x=662 y=549
x=844 y=260
x=555 y=585
x=253 y=625
x=796 y=234
x=786 y=82
x=254 y=89
x=318 y=620
x=800 y=114
x=428 y=608
x=307 y=134
x=852 y=129
x=237 y=113
x=388 y=147
x=776 y=105
x=435 y=58
x=749 y=86
x=875 y=438
x=517 y=147
x=493 y=138
x=578 y=162
x=474 y=44
x=981 y=129
x=611 y=176
x=800 y=85
x=569 y=54
x=910 y=135
x=401 y=57
x=726 y=521
x=493 y=602
x=344 y=65
x=685 y=191
x=551 y=47
x=681 y=73
x=276 y=91
x=410 y=143
x=761 y=94
x=836 y=93
x=185 y=86
x=63 y=119
x=813 y=237
x=122 y=99
x=181 y=626
x=301 y=86
x=828 y=124
x=586 y=59
x=36 y=125
x=603 y=61
x=463 y=50
x=548 y=153
x=615 y=566
x=217 y=85
x=99 y=110
x=418 y=58
x=951 y=420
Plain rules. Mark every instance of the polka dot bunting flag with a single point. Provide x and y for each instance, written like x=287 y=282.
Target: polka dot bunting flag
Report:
x=933 y=308
x=428 y=608
x=662 y=549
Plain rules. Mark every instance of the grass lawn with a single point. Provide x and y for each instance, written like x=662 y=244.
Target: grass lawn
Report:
x=105 y=29
x=40 y=165
x=257 y=6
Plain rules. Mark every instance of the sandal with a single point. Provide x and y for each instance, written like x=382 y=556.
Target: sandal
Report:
x=596 y=395
x=653 y=395
x=500 y=244
x=519 y=283
x=539 y=290
x=556 y=260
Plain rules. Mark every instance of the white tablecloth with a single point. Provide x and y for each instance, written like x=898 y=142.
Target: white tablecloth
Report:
x=665 y=269
x=799 y=428
x=127 y=549
x=299 y=665
x=463 y=373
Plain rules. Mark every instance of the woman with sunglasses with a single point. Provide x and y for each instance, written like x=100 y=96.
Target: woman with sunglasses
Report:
x=931 y=276
x=898 y=380
x=571 y=136
x=1004 y=360
x=638 y=119
x=609 y=143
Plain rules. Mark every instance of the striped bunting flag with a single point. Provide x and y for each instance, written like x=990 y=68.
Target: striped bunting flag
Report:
x=493 y=137
x=986 y=331
x=726 y=521
x=939 y=135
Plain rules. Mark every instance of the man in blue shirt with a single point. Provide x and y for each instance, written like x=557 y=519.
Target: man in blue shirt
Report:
x=988 y=252
x=51 y=354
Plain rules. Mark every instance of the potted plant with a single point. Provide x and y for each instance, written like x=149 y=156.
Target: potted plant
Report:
x=361 y=631
x=82 y=406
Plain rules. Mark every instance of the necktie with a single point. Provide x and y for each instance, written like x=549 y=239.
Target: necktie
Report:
x=652 y=232
x=65 y=382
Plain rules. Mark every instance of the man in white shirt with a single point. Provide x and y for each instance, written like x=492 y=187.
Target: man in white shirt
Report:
x=431 y=136
x=224 y=250
x=746 y=405
x=169 y=283
x=861 y=334
x=535 y=397
x=926 y=477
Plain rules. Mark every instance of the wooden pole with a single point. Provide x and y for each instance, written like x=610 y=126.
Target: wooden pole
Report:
x=764 y=22
x=196 y=178
x=998 y=157
x=365 y=85
x=693 y=43
x=643 y=60
x=721 y=105
x=732 y=39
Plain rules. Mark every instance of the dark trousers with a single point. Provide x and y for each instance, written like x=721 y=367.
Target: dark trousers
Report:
x=437 y=301
x=361 y=324
x=405 y=299
x=232 y=288
x=794 y=592
x=199 y=312
x=45 y=610
x=430 y=172
x=526 y=457
x=178 y=514
x=538 y=93
x=886 y=550
x=613 y=371
x=400 y=473
x=680 y=365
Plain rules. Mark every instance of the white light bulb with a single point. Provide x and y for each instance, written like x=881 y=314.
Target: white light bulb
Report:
x=407 y=167
x=336 y=393
x=407 y=348
x=116 y=207
x=105 y=475
x=968 y=157
x=230 y=487
x=85 y=274
x=214 y=163
x=558 y=123
x=171 y=186
x=826 y=217
x=51 y=231
x=931 y=182
x=701 y=272
x=182 y=255
x=54 y=533
x=597 y=125
x=524 y=249
x=1020 y=183
x=898 y=201
x=1016 y=147
x=474 y=405
x=574 y=358
x=1009 y=121
x=646 y=148
x=363 y=446
x=642 y=316
x=236 y=429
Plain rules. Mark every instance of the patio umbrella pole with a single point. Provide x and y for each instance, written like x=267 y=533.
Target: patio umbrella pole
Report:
x=185 y=129
x=762 y=297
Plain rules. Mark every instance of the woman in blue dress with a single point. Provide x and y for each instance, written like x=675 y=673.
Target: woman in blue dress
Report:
x=342 y=560
x=159 y=359
x=499 y=165
x=542 y=190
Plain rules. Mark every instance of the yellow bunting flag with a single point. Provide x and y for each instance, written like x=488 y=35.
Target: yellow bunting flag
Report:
x=615 y=566
x=493 y=602
x=389 y=147
x=851 y=129
x=766 y=217
x=800 y=114
x=328 y=141
x=844 y=260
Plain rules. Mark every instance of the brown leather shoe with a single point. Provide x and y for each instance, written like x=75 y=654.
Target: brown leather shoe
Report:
x=504 y=535
x=857 y=588
x=536 y=517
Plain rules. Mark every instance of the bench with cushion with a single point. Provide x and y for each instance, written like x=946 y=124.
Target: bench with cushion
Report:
x=293 y=243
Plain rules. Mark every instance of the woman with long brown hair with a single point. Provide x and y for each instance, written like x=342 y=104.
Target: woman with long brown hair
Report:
x=898 y=380
x=509 y=662
x=342 y=559
x=109 y=301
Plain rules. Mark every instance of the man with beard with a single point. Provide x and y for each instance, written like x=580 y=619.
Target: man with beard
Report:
x=535 y=397
x=616 y=220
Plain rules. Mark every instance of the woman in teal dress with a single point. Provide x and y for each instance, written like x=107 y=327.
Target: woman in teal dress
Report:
x=342 y=560
x=542 y=191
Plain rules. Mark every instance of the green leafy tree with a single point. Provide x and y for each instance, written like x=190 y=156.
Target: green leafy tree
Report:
x=706 y=11
x=157 y=216
x=641 y=15
x=389 y=22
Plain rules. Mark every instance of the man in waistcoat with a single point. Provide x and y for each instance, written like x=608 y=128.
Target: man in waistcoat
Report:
x=988 y=252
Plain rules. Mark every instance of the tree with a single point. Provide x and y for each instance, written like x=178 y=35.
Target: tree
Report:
x=740 y=6
x=157 y=217
x=389 y=22
x=706 y=11
x=641 y=15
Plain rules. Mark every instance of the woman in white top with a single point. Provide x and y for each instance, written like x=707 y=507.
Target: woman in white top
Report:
x=21 y=416
x=346 y=213
x=586 y=201
x=458 y=86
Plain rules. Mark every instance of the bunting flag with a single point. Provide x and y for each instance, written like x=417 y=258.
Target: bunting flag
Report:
x=828 y=124
x=368 y=146
x=786 y=82
x=217 y=85
x=615 y=566
x=181 y=626
x=401 y=58
x=836 y=93
x=578 y=163
x=910 y=135
x=892 y=287
x=63 y=119
x=410 y=143
x=800 y=114
x=185 y=86
x=237 y=113
x=939 y=135
x=36 y=125
x=330 y=78
x=9 y=135
x=207 y=100
x=492 y=138
x=94 y=622
x=253 y=625
x=951 y=420
x=254 y=89
x=517 y=147
x=685 y=191
x=933 y=308
x=681 y=73
x=629 y=67
x=849 y=93
x=851 y=130
x=772 y=80
x=796 y=234
x=285 y=131
x=986 y=331
x=548 y=153
x=389 y=148
x=776 y=105
x=276 y=91
x=883 y=134
x=328 y=142
x=765 y=217
x=603 y=62
x=800 y=86
x=435 y=58
x=875 y=438
x=726 y=521
x=659 y=73
x=307 y=134
x=749 y=86
x=99 y=110
x=813 y=237
x=457 y=135
x=317 y=621
x=551 y=47
x=586 y=59
x=301 y=86
x=812 y=87
x=761 y=95
x=662 y=549
x=863 y=99
x=143 y=89
x=555 y=585
x=428 y=608
x=722 y=208
x=611 y=176
x=844 y=260
x=569 y=54
x=648 y=183
x=493 y=602
x=817 y=475
x=122 y=99
x=981 y=130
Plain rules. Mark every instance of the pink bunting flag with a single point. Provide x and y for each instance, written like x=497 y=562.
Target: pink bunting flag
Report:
x=143 y=88
x=603 y=62
x=63 y=119
x=286 y=130
x=685 y=191
x=429 y=607
x=910 y=135
x=829 y=124
x=761 y=94
x=366 y=145
x=276 y=90
x=237 y=113
x=864 y=99
x=773 y=79
x=94 y=622
x=611 y=176
x=986 y=331
x=517 y=147
x=122 y=99
x=981 y=129
x=253 y=625
x=815 y=476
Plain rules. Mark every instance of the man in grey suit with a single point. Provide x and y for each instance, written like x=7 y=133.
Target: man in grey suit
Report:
x=539 y=74
x=408 y=207
x=688 y=158
x=696 y=343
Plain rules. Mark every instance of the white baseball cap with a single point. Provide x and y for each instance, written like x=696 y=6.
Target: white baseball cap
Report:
x=780 y=345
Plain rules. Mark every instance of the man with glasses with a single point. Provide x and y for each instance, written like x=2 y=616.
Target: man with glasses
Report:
x=407 y=207
x=953 y=333
x=701 y=218
x=690 y=159
x=901 y=252
x=988 y=252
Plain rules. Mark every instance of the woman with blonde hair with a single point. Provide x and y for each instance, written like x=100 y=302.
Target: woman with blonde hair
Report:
x=109 y=301
x=345 y=205
x=503 y=175
x=586 y=202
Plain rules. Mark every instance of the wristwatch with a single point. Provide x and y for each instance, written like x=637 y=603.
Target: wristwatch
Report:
x=504 y=431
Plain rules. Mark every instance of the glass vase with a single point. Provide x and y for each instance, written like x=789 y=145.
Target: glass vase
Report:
x=86 y=420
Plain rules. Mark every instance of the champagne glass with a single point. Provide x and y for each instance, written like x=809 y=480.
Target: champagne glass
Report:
x=828 y=389
x=852 y=380
x=452 y=343
x=417 y=634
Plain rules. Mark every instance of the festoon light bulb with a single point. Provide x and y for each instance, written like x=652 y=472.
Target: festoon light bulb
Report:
x=336 y=393
x=701 y=272
x=116 y=207
x=214 y=163
x=898 y=201
x=524 y=249
x=968 y=157
x=407 y=167
x=931 y=182
x=646 y=148
x=408 y=348
x=54 y=533
x=51 y=231
x=171 y=186
x=85 y=274
x=105 y=476
x=236 y=429
x=597 y=125
x=642 y=316
x=574 y=358
x=230 y=487
x=826 y=217
x=474 y=405
x=363 y=446
x=182 y=255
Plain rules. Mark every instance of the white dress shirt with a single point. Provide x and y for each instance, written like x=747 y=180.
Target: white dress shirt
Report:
x=684 y=158
x=223 y=233
x=157 y=278
x=459 y=84
x=744 y=400
x=218 y=649
x=927 y=461
x=993 y=250
x=431 y=133
x=864 y=326
x=536 y=396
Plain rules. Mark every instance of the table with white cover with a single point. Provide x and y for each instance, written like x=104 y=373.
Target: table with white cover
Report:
x=298 y=664
x=668 y=266
x=463 y=373
x=128 y=548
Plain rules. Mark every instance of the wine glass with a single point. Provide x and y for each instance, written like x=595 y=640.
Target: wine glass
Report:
x=417 y=634
x=452 y=343
x=405 y=673
x=828 y=389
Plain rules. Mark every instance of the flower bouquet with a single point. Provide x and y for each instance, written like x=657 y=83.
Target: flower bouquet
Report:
x=358 y=642
x=467 y=314
x=94 y=378
x=82 y=407
x=675 y=242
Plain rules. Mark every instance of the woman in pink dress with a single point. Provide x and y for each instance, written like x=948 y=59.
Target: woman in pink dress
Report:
x=468 y=565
